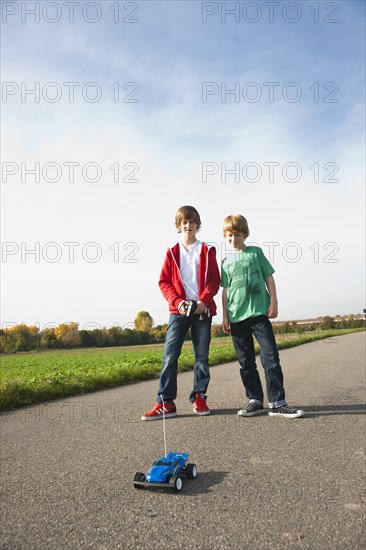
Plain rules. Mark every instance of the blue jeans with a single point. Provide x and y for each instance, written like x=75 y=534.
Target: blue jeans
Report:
x=242 y=335
x=201 y=336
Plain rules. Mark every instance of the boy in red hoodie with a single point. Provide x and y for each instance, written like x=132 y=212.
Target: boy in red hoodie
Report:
x=189 y=274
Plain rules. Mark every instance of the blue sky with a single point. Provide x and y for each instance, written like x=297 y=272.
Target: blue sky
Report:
x=169 y=133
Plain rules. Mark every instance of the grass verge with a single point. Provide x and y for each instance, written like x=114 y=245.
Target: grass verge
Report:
x=37 y=377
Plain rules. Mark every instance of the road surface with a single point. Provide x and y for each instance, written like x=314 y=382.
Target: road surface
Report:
x=264 y=483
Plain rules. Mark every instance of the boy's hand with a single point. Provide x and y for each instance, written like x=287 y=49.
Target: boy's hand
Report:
x=226 y=326
x=201 y=308
x=272 y=310
x=182 y=309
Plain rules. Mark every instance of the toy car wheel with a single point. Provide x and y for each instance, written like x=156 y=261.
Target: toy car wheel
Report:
x=176 y=483
x=191 y=471
x=139 y=477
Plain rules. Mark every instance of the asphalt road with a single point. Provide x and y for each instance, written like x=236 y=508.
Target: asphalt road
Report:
x=67 y=467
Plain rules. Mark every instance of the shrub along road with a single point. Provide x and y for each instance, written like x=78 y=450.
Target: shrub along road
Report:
x=67 y=467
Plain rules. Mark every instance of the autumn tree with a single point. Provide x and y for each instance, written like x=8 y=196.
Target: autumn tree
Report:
x=158 y=333
x=217 y=331
x=143 y=322
x=67 y=335
x=48 y=338
x=19 y=338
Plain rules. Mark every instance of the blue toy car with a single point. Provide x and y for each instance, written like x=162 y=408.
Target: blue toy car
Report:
x=167 y=472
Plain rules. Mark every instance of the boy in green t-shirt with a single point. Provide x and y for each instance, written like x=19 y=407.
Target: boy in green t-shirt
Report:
x=249 y=299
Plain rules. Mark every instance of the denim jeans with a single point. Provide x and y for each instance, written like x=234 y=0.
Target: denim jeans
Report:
x=242 y=335
x=201 y=336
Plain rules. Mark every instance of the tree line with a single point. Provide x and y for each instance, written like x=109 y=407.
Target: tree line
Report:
x=21 y=338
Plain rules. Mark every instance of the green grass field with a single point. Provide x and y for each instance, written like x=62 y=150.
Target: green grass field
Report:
x=41 y=376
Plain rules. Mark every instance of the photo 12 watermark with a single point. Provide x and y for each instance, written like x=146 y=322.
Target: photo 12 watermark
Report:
x=291 y=252
x=258 y=11
x=51 y=493
x=73 y=412
x=269 y=172
x=69 y=252
x=69 y=92
x=269 y=92
x=70 y=12
x=70 y=171
x=69 y=326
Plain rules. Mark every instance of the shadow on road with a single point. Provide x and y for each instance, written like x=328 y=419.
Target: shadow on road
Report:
x=310 y=411
x=204 y=483
x=334 y=410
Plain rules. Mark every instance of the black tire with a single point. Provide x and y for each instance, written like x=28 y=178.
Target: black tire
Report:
x=191 y=471
x=176 y=483
x=139 y=476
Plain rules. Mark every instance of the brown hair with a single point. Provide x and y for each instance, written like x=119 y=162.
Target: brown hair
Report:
x=187 y=213
x=236 y=223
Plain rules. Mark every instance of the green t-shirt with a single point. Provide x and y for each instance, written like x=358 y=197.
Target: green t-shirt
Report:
x=243 y=274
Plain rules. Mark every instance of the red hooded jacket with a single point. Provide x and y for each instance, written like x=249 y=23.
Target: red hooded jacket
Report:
x=171 y=284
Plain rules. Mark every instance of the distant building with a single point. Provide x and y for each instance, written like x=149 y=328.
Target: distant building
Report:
x=318 y=320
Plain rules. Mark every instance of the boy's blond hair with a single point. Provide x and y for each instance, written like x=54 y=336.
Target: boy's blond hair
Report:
x=187 y=213
x=236 y=223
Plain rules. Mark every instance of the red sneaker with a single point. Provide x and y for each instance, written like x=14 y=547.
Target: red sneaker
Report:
x=199 y=405
x=156 y=412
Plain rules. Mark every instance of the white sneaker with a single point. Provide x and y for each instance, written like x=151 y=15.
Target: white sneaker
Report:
x=286 y=412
